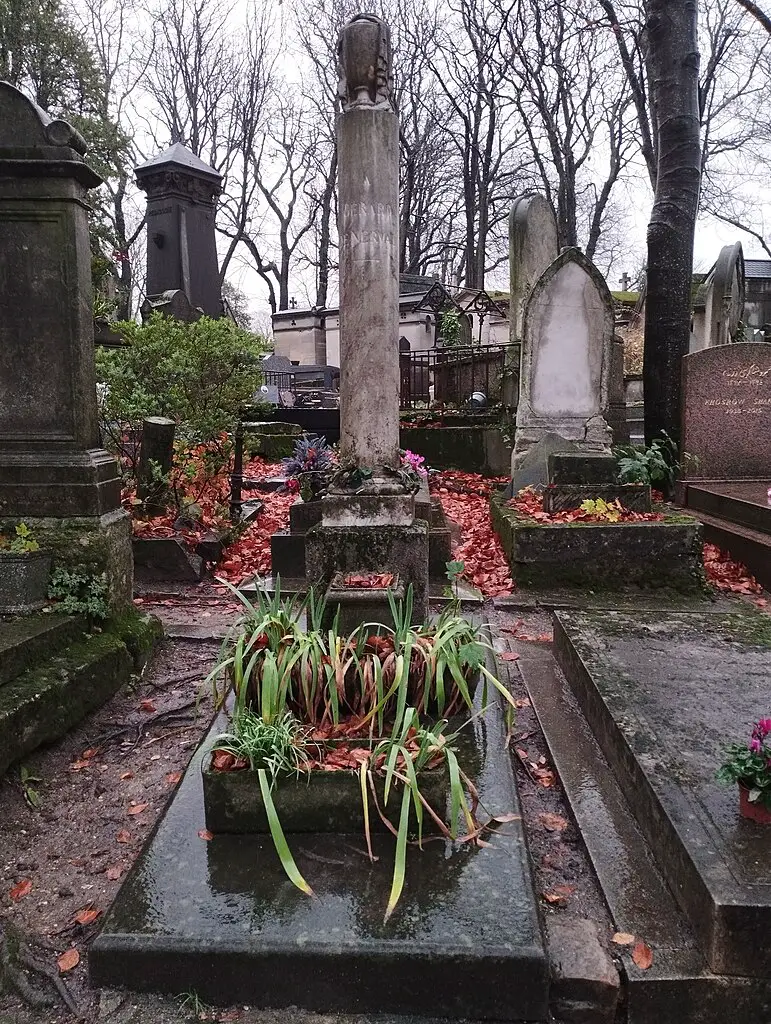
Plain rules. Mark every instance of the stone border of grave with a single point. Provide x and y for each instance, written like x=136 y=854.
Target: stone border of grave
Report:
x=610 y=556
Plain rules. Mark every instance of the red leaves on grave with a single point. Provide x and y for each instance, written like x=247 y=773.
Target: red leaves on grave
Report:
x=465 y=499
x=529 y=503
x=249 y=555
x=369 y=581
x=727 y=575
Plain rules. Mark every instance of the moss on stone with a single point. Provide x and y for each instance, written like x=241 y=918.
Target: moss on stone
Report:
x=140 y=632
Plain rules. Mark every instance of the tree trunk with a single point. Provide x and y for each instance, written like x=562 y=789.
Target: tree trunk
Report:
x=673 y=62
x=325 y=235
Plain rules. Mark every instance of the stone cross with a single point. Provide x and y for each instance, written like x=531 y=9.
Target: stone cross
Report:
x=368 y=180
x=566 y=358
x=54 y=473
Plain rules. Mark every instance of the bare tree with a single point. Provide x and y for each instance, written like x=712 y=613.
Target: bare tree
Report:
x=574 y=105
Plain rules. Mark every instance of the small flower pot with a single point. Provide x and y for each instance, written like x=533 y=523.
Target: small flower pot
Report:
x=756 y=812
x=23 y=582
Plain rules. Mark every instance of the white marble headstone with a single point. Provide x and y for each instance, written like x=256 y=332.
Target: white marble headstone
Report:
x=566 y=357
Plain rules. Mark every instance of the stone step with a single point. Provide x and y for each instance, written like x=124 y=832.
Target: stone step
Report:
x=30 y=639
x=751 y=547
x=678 y=988
x=41 y=704
x=736 y=504
x=627 y=673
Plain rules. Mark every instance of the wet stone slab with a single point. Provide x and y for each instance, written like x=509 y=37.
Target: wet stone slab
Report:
x=664 y=693
x=220 y=916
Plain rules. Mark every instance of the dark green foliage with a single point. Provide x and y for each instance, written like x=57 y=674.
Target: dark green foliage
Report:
x=79 y=593
x=657 y=465
x=199 y=374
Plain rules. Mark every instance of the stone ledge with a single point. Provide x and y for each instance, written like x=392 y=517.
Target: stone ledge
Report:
x=34 y=638
x=43 y=703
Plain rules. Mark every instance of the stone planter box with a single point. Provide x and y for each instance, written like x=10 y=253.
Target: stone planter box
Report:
x=361 y=604
x=613 y=556
x=311 y=802
x=23 y=582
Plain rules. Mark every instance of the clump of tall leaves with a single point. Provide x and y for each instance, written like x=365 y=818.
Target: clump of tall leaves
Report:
x=200 y=374
x=300 y=689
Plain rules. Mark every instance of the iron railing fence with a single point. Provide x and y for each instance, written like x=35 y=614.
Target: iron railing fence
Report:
x=438 y=377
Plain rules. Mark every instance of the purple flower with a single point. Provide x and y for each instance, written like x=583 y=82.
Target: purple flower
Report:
x=755 y=746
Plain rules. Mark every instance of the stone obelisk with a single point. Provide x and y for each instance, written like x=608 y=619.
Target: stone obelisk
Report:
x=368 y=182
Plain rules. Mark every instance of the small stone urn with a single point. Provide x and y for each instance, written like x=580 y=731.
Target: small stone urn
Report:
x=23 y=582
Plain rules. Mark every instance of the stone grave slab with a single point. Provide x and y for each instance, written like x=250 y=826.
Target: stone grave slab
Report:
x=663 y=693
x=727 y=412
x=220 y=917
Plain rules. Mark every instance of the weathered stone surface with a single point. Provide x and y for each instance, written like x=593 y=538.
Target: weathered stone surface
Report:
x=181 y=243
x=156 y=456
x=368 y=145
x=220 y=916
x=51 y=463
x=23 y=582
x=42 y=703
x=303 y=515
x=402 y=550
x=585 y=468
x=628 y=672
x=564 y=497
x=533 y=246
x=585 y=982
x=33 y=638
x=367 y=510
x=616 y=556
x=617 y=414
x=566 y=358
x=533 y=468
x=727 y=412
x=719 y=306
x=165 y=558
x=89 y=544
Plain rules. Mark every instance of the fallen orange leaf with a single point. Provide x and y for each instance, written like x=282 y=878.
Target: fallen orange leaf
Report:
x=70 y=958
x=204 y=833
x=76 y=766
x=91 y=752
x=509 y=656
x=127 y=775
x=114 y=872
x=22 y=889
x=642 y=956
x=623 y=939
x=87 y=915
x=147 y=705
x=173 y=778
x=124 y=836
x=136 y=808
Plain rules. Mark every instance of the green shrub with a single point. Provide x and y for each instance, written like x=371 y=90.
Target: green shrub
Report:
x=200 y=374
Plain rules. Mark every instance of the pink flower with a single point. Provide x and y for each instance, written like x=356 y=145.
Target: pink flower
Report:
x=756 y=746
x=764 y=727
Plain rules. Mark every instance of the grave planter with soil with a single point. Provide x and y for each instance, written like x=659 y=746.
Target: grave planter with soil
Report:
x=753 y=811
x=666 y=553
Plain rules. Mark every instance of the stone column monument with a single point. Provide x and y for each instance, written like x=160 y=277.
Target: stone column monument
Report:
x=368 y=183
x=181 y=244
x=54 y=474
x=368 y=516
